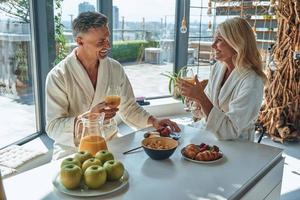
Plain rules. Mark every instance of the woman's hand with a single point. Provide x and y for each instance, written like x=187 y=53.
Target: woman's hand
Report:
x=195 y=91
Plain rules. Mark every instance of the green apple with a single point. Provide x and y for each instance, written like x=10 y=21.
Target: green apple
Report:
x=83 y=156
x=114 y=170
x=90 y=162
x=104 y=155
x=70 y=176
x=95 y=176
x=70 y=161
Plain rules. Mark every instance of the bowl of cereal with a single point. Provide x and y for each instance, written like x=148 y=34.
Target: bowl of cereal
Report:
x=159 y=148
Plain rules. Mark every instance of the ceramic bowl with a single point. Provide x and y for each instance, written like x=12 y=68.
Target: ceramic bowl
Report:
x=159 y=148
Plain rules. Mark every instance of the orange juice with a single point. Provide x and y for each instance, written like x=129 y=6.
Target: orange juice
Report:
x=92 y=144
x=190 y=80
x=113 y=100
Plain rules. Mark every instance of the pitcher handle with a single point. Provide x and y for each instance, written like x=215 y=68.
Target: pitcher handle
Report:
x=77 y=129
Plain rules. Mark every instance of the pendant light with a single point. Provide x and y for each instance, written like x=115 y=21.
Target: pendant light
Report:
x=183 y=28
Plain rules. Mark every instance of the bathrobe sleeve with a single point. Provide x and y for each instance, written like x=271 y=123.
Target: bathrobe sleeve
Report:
x=59 y=125
x=130 y=111
x=243 y=110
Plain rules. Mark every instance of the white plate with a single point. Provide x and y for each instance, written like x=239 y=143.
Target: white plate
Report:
x=204 y=162
x=83 y=191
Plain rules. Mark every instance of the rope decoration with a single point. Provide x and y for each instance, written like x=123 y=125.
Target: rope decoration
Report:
x=280 y=113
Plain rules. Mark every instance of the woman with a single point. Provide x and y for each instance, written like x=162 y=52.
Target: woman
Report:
x=232 y=98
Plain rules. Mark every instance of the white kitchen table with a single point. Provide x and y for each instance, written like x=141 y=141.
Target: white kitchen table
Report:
x=247 y=171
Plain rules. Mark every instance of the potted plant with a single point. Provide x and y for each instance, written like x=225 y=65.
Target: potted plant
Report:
x=173 y=76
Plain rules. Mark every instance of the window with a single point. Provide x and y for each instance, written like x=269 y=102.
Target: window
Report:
x=17 y=103
x=143 y=42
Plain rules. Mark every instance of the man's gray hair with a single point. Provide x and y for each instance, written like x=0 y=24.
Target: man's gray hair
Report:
x=87 y=20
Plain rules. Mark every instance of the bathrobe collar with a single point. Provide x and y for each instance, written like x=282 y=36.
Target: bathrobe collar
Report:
x=94 y=95
x=227 y=89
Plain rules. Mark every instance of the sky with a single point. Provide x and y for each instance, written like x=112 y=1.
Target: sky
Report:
x=133 y=10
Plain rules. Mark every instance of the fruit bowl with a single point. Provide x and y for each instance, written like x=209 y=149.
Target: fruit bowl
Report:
x=159 y=148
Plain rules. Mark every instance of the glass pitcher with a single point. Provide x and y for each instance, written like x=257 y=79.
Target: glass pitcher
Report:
x=92 y=139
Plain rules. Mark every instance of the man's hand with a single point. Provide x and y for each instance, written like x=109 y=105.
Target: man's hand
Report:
x=158 y=124
x=103 y=107
x=99 y=108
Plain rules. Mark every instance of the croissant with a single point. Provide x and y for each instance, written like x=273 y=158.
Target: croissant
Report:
x=207 y=156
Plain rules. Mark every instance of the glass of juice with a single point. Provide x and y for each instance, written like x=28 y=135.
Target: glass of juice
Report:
x=188 y=75
x=113 y=98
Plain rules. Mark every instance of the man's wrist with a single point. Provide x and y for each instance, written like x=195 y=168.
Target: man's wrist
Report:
x=151 y=120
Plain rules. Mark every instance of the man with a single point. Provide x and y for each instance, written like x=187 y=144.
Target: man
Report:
x=79 y=83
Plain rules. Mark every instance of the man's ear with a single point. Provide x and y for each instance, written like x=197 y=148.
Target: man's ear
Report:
x=79 y=41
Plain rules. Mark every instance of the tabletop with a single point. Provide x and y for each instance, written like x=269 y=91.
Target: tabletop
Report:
x=173 y=178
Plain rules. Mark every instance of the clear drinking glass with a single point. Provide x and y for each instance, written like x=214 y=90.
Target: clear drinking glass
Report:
x=113 y=99
x=188 y=75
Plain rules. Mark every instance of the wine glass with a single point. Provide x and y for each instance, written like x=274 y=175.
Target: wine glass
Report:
x=188 y=75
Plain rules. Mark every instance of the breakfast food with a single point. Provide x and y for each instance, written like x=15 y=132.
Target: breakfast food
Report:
x=157 y=144
x=202 y=152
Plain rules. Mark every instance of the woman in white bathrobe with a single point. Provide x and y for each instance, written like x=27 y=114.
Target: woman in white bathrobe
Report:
x=79 y=84
x=233 y=96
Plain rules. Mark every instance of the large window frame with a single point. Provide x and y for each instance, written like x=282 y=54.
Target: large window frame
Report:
x=43 y=49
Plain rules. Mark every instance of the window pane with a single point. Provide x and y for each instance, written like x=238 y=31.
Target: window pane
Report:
x=143 y=42
x=17 y=102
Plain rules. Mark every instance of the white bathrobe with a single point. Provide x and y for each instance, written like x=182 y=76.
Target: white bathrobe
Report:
x=69 y=93
x=235 y=105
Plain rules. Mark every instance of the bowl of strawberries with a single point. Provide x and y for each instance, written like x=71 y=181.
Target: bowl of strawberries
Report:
x=202 y=153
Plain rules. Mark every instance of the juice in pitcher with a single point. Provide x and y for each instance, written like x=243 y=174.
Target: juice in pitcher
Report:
x=92 y=143
x=92 y=139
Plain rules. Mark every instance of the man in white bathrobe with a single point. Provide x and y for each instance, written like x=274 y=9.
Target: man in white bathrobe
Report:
x=79 y=84
x=233 y=96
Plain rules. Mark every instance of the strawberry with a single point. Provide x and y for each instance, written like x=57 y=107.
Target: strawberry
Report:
x=165 y=132
x=201 y=145
x=216 y=148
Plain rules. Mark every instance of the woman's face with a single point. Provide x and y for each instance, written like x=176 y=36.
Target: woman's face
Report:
x=223 y=52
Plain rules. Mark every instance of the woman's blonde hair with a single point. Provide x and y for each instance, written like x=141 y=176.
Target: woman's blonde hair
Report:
x=239 y=35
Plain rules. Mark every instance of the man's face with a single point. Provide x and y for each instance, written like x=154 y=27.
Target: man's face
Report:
x=95 y=42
